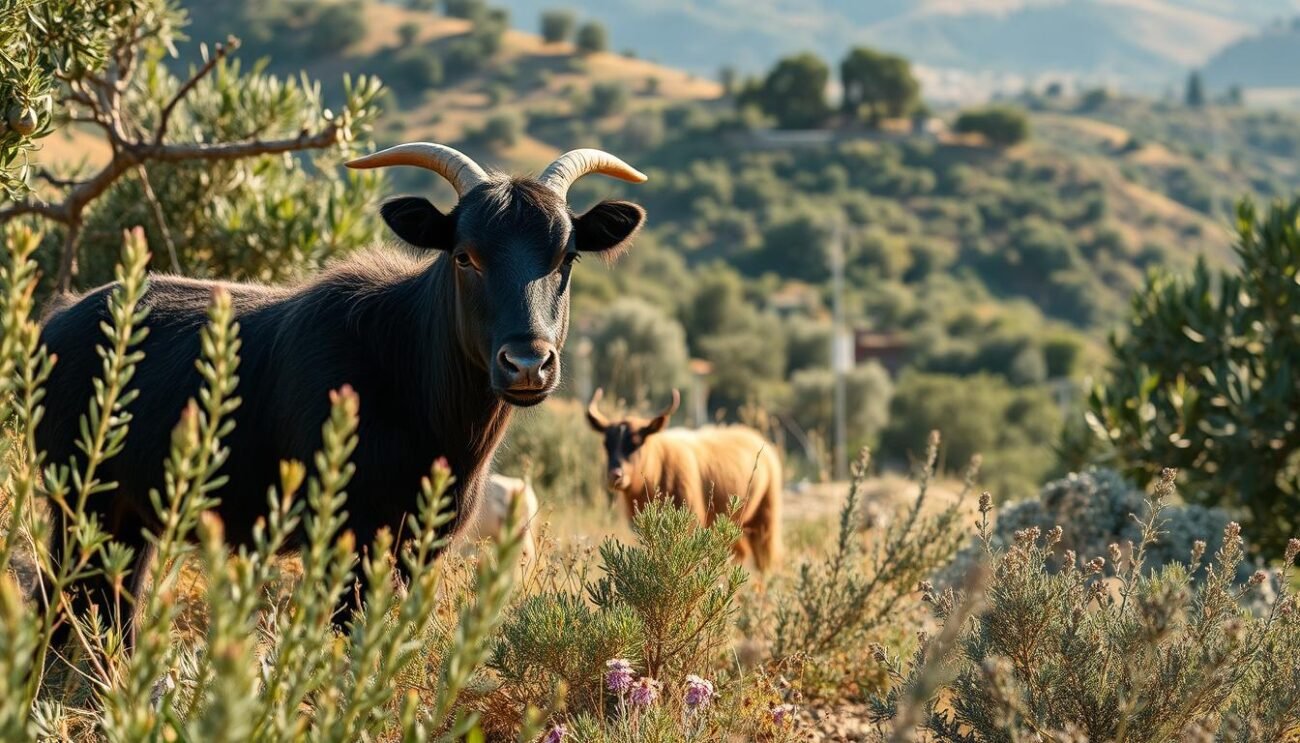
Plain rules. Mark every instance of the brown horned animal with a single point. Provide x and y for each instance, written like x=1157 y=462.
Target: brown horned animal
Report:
x=700 y=469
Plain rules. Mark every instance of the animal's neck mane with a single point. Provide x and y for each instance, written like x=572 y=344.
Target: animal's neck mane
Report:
x=418 y=342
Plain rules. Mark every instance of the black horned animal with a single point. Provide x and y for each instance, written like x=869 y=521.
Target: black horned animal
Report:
x=439 y=348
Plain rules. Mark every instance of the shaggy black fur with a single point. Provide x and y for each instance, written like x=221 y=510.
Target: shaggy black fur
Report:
x=413 y=336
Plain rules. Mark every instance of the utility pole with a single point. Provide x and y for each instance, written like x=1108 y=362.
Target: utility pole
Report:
x=841 y=351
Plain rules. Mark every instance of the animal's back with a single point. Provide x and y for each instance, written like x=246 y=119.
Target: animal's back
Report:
x=735 y=460
x=166 y=376
x=499 y=495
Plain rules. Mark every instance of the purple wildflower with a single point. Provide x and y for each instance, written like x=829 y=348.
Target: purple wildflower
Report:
x=620 y=675
x=556 y=734
x=644 y=692
x=699 y=691
x=782 y=714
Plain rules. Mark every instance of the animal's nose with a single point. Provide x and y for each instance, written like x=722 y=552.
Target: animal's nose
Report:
x=528 y=366
x=616 y=475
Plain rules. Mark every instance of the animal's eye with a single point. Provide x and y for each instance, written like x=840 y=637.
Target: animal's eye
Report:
x=571 y=258
x=463 y=260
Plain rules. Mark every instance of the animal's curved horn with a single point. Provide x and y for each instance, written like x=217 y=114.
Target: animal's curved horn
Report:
x=460 y=171
x=574 y=164
x=672 y=406
x=593 y=412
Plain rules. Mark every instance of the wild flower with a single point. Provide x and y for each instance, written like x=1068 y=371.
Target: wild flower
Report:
x=699 y=692
x=1292 y=549
x=782 y=714
x=644 y=692
x=618 y=678
x=556 y=734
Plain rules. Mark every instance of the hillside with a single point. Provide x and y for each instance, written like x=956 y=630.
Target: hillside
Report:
x=984 y=272
x=1270 y=59
x=1135 y=44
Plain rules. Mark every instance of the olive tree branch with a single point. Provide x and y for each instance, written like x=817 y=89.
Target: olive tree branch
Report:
x=133 y=154
x=219 y=52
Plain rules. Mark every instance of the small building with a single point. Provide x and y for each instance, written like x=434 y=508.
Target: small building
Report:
x=890 y=350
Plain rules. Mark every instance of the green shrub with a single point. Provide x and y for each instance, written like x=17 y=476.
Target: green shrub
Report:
x=999 y=125
x=868 y=391
x=335 y=27
x=680 y=580
x=1097 y=508
x=1104 y=648
x=554 y=638
x=1204 y=378
x=467 y=9
x=592 y=37
x=665 y=604
x=416 y=69
x=557 y=25
x=856 y=592
x=608 y=99
x=501 y=130
x=638 y=352
x=1011 y=428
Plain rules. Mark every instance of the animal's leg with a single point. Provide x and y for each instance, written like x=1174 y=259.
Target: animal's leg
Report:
x=765 y=530
x=742 y=548
x=115 y=607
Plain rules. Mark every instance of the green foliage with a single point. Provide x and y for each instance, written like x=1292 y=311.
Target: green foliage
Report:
x=1002 y=126
x=868 y=392
x=793 y=93
x=212 y=138
x=856 y=591
x=555 y=638
x=591 y=38
x=878 y=85
x=501 y=130
x=266 y=218
x=40 y=39
x=1204 y=378
x=1011 y=428
x=1128 y=651
x=638 y=352
x=468 y=9
x=283 y=29
x=608 y=99
x=557 y=25
x=415 y=70
x=679 y=580
x=1194 y=95
x=665 y=604
x=1095 y=509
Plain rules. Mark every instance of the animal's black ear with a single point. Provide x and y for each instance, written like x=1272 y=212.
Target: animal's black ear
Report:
x=608 y=227
x=419 y=222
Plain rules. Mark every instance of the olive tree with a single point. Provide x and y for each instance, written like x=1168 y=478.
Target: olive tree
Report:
x=638 y=352
x=100 y=67
x=1204 y=379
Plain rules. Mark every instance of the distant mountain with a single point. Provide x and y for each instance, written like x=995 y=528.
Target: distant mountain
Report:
x=1267 y=60
x=1137 y=43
